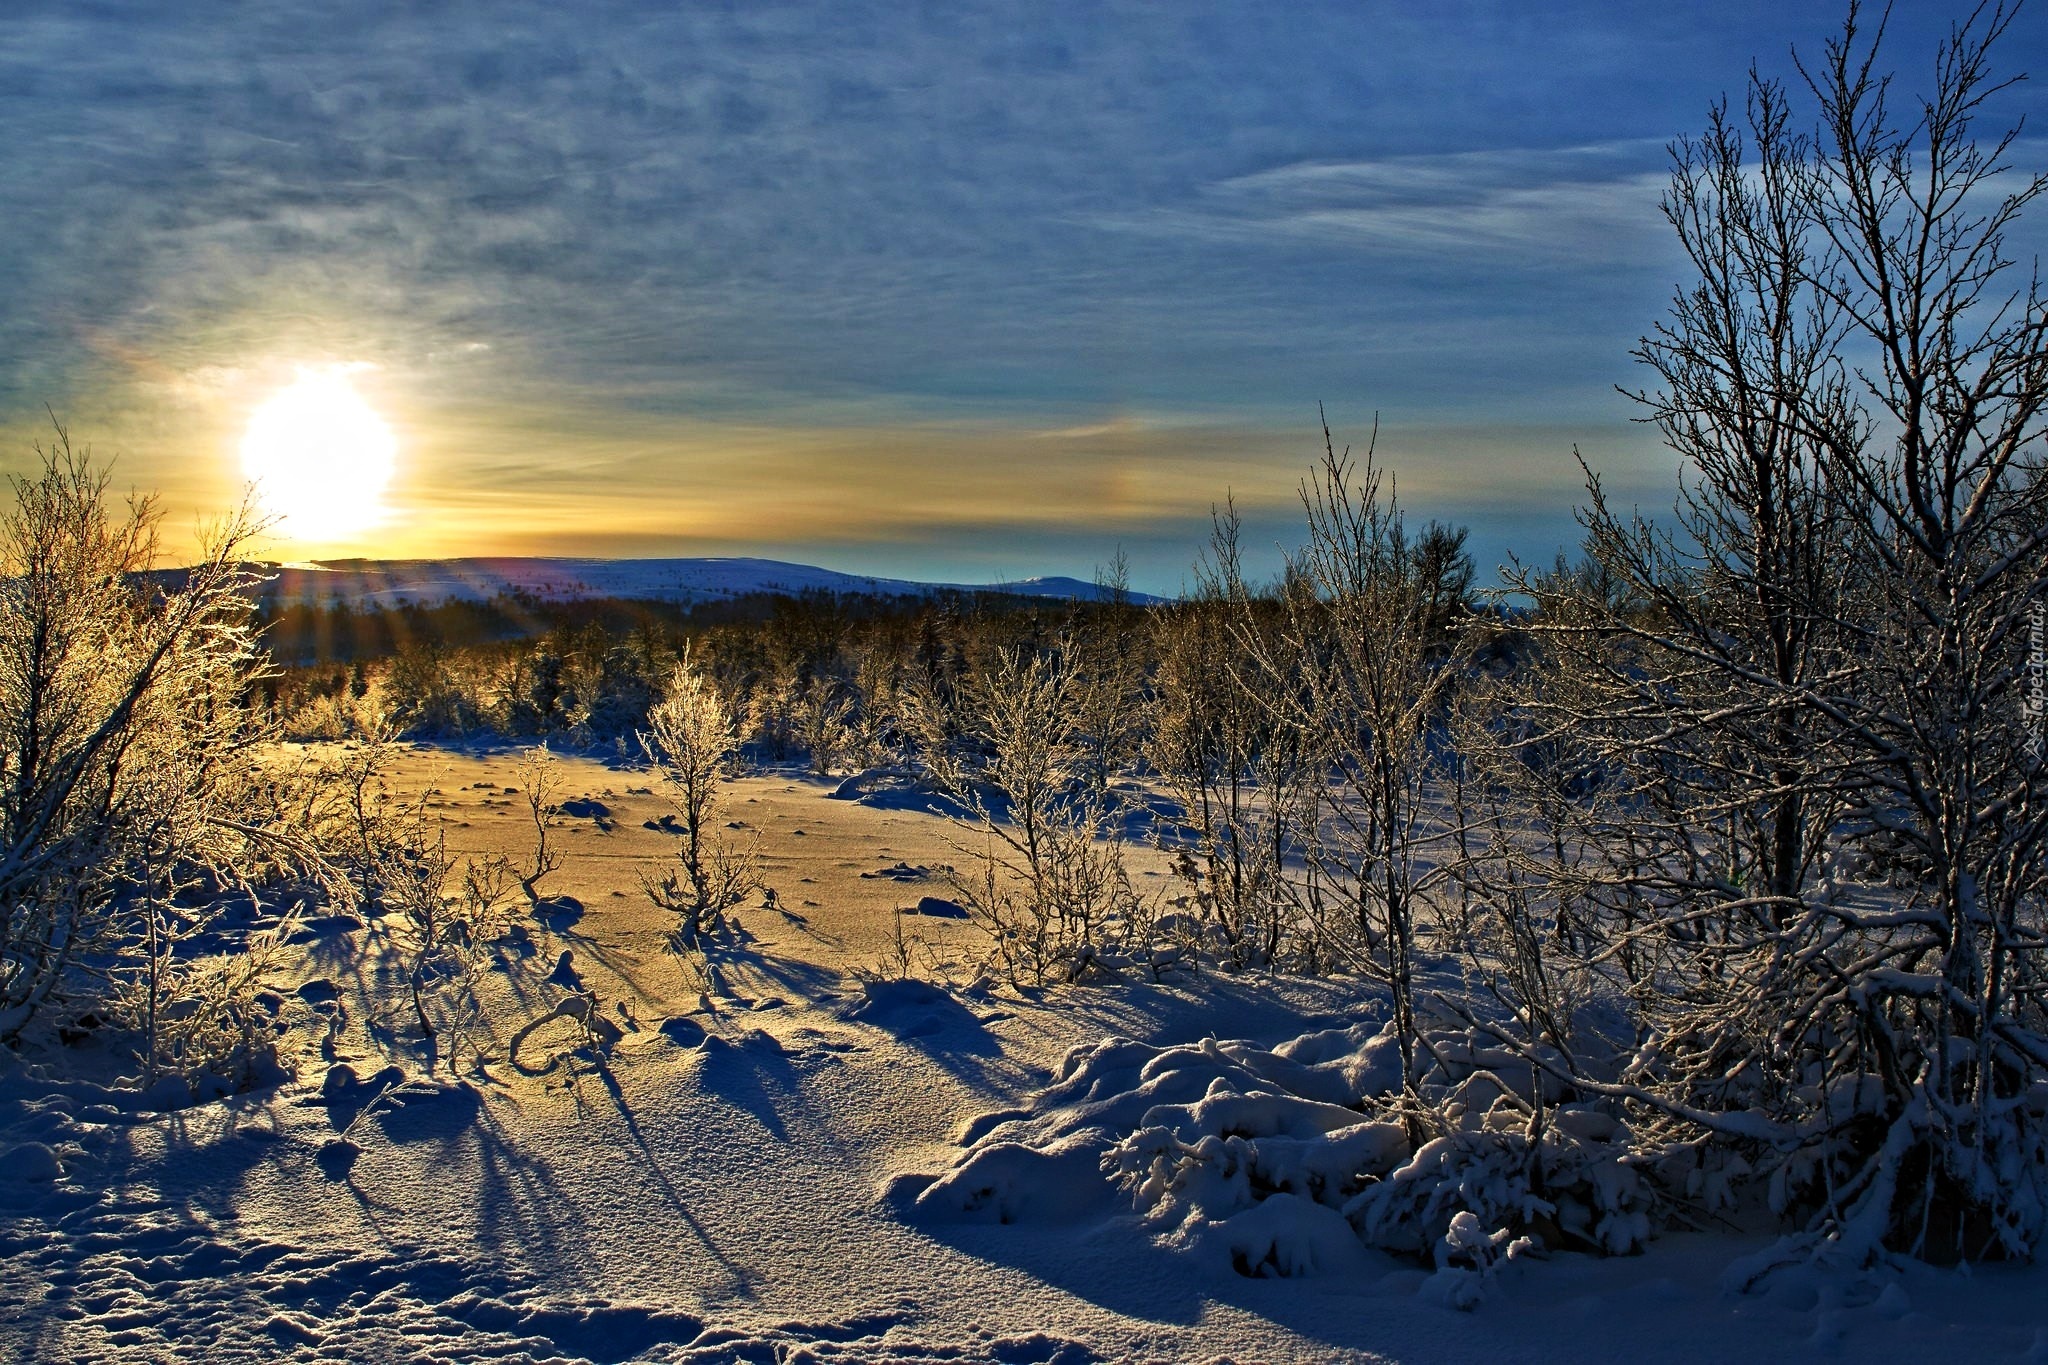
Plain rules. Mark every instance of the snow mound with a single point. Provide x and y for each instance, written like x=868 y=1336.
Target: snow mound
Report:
x=1285 y=1236
x=1117 y=1105
x=1289 y=1160
x=30 y=1163
x=910 y=1008
x=897 y=788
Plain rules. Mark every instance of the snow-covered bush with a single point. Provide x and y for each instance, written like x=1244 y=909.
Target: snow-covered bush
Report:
x=1468 y=1258
x=1292 y=1159
x=431 y=691
x=441 y=913
x=1107 y=1094
x=1559 y=1190
x=539 y=784
x=389 y=859
x=199 y=985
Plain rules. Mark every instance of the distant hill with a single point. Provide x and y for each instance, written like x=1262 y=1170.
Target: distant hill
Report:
x=374 y=583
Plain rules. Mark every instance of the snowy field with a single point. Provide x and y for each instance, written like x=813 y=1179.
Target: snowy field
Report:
x=786 y=1153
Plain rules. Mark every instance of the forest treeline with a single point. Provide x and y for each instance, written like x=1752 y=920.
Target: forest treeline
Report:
x=306 y=634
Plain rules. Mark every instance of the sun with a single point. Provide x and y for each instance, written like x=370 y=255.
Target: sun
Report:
x=319 y=457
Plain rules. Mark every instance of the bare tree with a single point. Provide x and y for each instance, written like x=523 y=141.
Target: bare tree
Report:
x=120 y=719
x=1248 y=783
x=692 y=741
x=1049 y=882
x=1816 y=667
x=539 y=782
x=439 y=928
x=1951 y=534
x=1357 y=668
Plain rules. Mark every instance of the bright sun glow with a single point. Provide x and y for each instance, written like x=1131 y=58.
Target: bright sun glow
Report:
x=319 y=457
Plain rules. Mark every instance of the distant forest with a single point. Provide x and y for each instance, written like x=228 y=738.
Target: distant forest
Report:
x=301 y=634
x=586 y=671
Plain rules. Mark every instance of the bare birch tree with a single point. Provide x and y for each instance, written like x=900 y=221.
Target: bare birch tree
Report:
x=693 y=742
x=1358 y=668
x=1816 y=665
x=120 y=724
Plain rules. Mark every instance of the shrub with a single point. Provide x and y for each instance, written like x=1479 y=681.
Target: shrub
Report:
x=120 y=718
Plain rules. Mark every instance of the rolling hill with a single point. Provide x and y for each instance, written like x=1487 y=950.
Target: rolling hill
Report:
x=375 y=583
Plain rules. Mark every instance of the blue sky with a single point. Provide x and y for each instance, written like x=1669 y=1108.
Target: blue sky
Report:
x=952 y=290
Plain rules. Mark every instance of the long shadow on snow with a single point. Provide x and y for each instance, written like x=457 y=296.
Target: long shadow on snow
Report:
x=155 y=1216
x=951 y=1036
x=523 y=1217
x=1113 y=1263
x=926 y=1017
x=742 y=1278
x=1114 y=1267
x=756 y=1076
x=732 y=963
x=915 y=1013
x=622 y=965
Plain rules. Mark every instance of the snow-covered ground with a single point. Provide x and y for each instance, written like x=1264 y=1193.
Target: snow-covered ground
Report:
x=786 y=1156
x=371 y=583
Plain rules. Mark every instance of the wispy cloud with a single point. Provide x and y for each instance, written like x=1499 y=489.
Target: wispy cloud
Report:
x=1588 y=208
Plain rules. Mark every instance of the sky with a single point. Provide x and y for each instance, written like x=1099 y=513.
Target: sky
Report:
x=955 y=291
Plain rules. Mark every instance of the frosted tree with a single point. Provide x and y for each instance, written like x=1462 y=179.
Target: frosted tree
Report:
x=692 y=740
x=1814 y=824
x=1013 y=748
x=1359 y=668
x=121 y=729
x=1248 y=783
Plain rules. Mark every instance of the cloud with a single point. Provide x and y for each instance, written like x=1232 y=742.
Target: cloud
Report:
x=923 y=258
x=682 y=205
x=1587 y=208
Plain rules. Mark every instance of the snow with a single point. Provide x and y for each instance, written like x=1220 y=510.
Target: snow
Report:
x=789 y=1155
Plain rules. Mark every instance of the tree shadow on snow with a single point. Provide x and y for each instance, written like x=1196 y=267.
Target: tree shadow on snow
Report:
x=742 y=1279
x=950 y=1034
x=1113 y=1267
x=627 y=970
x=743 y=971
x=514 y=1213
x=558 y=913
x=923 y=1015
x=752 y=1073
x=440 y=1115
x=153 y=1199
x=1365 y=1310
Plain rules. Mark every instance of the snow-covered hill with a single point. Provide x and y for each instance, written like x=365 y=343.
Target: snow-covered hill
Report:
x=388 y=582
